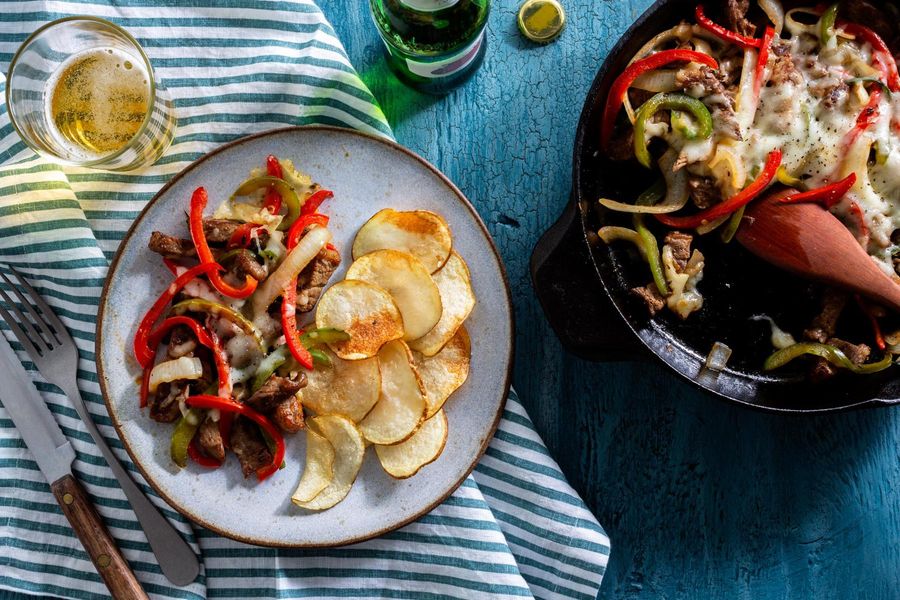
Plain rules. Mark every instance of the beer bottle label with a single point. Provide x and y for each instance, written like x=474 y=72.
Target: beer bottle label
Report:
x=446 y=66
x=428 y=5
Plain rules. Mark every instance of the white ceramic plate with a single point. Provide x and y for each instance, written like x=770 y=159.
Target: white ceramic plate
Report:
x=366 y=175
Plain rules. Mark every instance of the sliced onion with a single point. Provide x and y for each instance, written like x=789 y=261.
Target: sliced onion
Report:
x=657 y=81
x=296 y=260
x=718 y=357
x=795 y=27
x=746 y=103
x=676 y=191
x=775 y=11
x=174 y=370
x=732 y=169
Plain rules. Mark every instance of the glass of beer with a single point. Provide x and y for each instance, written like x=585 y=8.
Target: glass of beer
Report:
x=82 y=92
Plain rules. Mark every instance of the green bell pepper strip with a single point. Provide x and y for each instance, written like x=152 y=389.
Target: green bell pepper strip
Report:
x=829 y=353
x=220 y=310
x=268 y=366
x=683 y=125
x=734 y=222
x=325 y=335
x=182 y=435
x=826 y=24
x=284 y=189
x=664 y=101
x=648 y=240
x=320 y=358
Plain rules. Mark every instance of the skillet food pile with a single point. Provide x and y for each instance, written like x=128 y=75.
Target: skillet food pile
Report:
x=226 y=360
x=732 y=107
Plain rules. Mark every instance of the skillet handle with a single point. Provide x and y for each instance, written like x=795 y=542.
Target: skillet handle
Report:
x=573 y=299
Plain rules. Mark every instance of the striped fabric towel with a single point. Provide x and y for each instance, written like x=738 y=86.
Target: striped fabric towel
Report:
x=514 y=529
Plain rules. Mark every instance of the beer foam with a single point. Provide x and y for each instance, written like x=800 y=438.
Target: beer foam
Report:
x=96 y=102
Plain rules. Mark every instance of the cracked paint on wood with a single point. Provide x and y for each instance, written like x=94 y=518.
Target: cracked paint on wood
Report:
x=701 y=499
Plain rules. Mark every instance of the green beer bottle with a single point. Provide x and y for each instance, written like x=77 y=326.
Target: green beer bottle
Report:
x=433 y=45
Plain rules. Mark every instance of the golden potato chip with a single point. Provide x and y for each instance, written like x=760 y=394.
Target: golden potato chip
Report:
x=408 y=282
x=426 y=444
x=349 y=449
x=423 y=234
x=443 y=373
x=319 y=469
x=401 y=404
x=347 y=387
x=457 y=301
x=365 y=311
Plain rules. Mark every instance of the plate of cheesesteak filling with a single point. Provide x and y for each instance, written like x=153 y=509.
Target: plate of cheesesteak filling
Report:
x=312 y=322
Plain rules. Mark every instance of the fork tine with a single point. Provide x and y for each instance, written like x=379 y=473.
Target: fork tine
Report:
x=24 y=325
x=62 y=334
x=20 y=335
x=49 y=336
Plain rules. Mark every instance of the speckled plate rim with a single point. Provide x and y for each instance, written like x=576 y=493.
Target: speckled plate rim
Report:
x=113 y=415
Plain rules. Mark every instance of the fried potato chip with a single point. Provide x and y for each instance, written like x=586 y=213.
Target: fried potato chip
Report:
x=426 y=444
x=457 y=301
x=443 y=373
x=409 y=284
x=401 y=404
x=363 y=310
x=349 y=449
x=347 y=387
x=319 y=469
x=423 y=234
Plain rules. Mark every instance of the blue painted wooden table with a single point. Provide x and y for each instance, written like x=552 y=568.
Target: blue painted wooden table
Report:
x=701 y=499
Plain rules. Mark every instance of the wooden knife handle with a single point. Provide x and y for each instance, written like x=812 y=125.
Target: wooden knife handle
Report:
x=100 y=546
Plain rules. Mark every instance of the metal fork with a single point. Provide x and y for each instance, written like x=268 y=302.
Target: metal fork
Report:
x=50 y=346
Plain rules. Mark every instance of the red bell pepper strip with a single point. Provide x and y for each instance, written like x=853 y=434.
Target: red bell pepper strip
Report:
x=857 y=212
x=725 y=34
x=273 y=198
x=866 y=119
x=727 y=207
x=201 y=459
x=230 y=406
x=626 y=78
x=223 y=370
x=198 y=203
x=289 y=325
x=171 y=265
x=289 y=295
x=312 y=203
x=881 y=54
x=142 y=350
x=762 y=61
x=302 y=222
x=827 y=196
x=242 y=236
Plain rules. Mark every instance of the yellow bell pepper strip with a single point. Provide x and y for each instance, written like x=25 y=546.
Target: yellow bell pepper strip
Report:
x=829 y=353
x=182 y=435
x=198 y=203
x=664 y=101
x=143 y=353
x=633 y=71
x=226 y=405
x=742 y=198
x=202 y=305
x=827 y=196
x=282 y=187
x=785 y=178
x=725 y=34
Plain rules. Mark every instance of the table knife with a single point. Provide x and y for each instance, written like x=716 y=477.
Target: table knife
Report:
x=54 y=456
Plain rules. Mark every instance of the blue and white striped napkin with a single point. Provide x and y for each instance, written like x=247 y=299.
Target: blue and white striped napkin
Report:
x=514 y=529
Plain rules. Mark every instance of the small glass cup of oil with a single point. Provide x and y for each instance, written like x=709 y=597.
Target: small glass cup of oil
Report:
x=81 y=91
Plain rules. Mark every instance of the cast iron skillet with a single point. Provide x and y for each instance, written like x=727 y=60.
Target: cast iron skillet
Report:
x=584 y=285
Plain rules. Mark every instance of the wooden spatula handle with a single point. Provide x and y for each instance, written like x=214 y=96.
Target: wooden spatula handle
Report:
x=100 y=546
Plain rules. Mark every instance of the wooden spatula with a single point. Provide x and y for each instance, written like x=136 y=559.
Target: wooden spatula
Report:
x=808 y=240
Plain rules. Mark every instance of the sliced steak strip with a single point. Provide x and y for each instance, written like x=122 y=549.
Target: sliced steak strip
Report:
x=824 y=324
x=170 y=246
x=210 y=440
x=681 y=247
x=250 y=447
x=164 y=406
x=288 y=415
x=274 y=391
x=737 y=17
x=245 y=263
x=857 y=353
x=704 y=191
x=708 y=84
x=651 y=297
x=314 y=277
x=181 y=342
